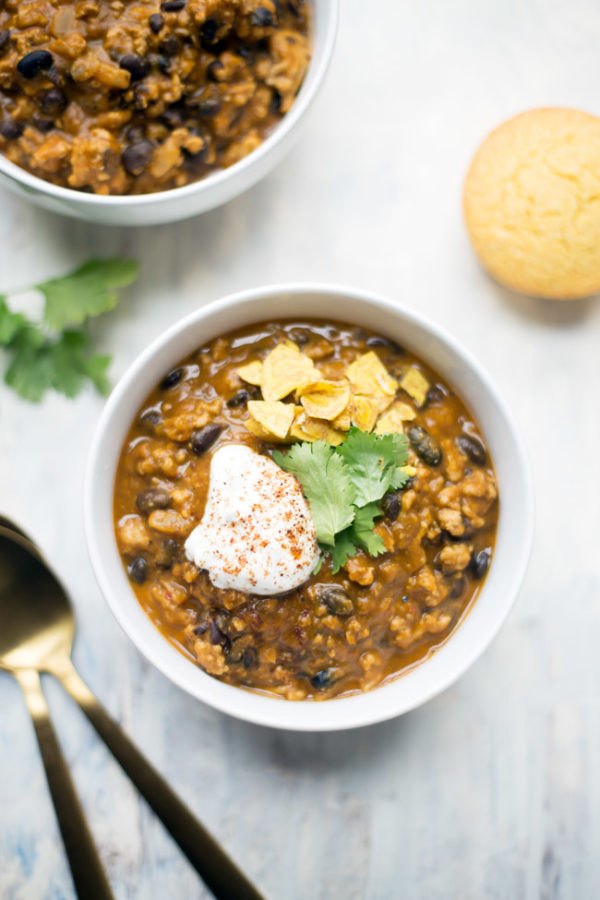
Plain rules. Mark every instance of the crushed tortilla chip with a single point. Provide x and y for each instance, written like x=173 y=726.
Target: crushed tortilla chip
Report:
x=415 y=384
x=390 y=422
x=369 y=376
x=285 y=368
x=307 y=428
x=362 y=412
x=252 y=372
x=325 y=399
x=274 y=417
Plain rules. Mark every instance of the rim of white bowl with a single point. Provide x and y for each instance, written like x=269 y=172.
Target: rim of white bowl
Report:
x=336 y=714
x=316 y=72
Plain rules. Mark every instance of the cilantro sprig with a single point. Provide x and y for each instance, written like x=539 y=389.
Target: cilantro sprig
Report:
x=56 y=353
x=343 y=486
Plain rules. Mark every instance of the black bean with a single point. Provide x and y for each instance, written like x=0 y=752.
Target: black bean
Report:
x=166 y=553
x=150 y=418
x=57 y=78
x=386 y=343
x=473 y=448
x=135 y=133
x=457 y=587
x=162 y=63
x=53 y=102
x=300 y=336
x=249 y=658
x=262 y=17
x=43 y=125
x=323 y=679
x=201 y=628
x=435 y=395
x=33 y=63
x=208 y=35
x=170 y=45
x=216 y=635
x=172 y=118
x=138 y=570
x=209 y=29
x=156 y=22
x=335 y=599
x=173 y=378
x=137 y=66
x=172 y=5
x=152 y=498
x=209 y=107
x=11 y=130
x=275 y=104
x=242 y=396
x=425 y=446
x=4 y=39
x=203 y=439
x=479 y=563
x=391 y=506
x=359 y=334
x=136 y=157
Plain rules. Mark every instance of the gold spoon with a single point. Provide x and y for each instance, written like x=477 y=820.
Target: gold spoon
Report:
x=37 y=626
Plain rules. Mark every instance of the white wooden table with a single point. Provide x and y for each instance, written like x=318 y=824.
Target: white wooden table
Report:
x=493 y=789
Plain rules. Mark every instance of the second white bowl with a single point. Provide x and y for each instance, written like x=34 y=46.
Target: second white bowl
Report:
x=209 y=192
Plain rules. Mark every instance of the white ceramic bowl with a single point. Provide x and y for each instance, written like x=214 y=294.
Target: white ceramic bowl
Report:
x=200 y=196
x=515 y=528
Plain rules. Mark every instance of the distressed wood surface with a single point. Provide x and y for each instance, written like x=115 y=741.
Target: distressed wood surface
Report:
x=493 y=789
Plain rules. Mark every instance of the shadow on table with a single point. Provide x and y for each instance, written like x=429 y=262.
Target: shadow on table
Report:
x=552 y=313
x=317 y=754
x=177 y=248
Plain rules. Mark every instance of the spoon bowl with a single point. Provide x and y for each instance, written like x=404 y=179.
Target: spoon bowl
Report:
x=37 y=624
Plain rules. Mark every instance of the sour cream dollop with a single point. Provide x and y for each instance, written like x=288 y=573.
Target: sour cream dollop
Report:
x=256 y=534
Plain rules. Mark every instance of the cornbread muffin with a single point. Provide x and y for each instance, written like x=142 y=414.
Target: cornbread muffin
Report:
x=532 y=203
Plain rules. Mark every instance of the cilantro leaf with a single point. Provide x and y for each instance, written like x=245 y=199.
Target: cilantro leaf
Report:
x=29 y=371
x=342 y=550
x=362 y=530
x=39 y=362
x=372 y=460
x=398 y=479
x=326 y=484
x=11 y=324
x=88 y=291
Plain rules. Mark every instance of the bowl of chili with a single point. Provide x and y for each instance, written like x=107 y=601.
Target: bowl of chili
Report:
x=398 y=628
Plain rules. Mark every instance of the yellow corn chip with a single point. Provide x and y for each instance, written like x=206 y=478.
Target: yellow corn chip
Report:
x=285 y=369
x=252 y=372
x=306 y=428
x=414 y=383
x=273 y=416
x=325 y=399
x=368 y=375
x=406 y=412
x=361 y=412
x=391 y=421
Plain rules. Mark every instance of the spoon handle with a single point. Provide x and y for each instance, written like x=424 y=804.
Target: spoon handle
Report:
x=211 y=862
x=88 y=875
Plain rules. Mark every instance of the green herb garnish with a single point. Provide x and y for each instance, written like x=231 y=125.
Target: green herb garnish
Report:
x=343 y=486
x=56 y=353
